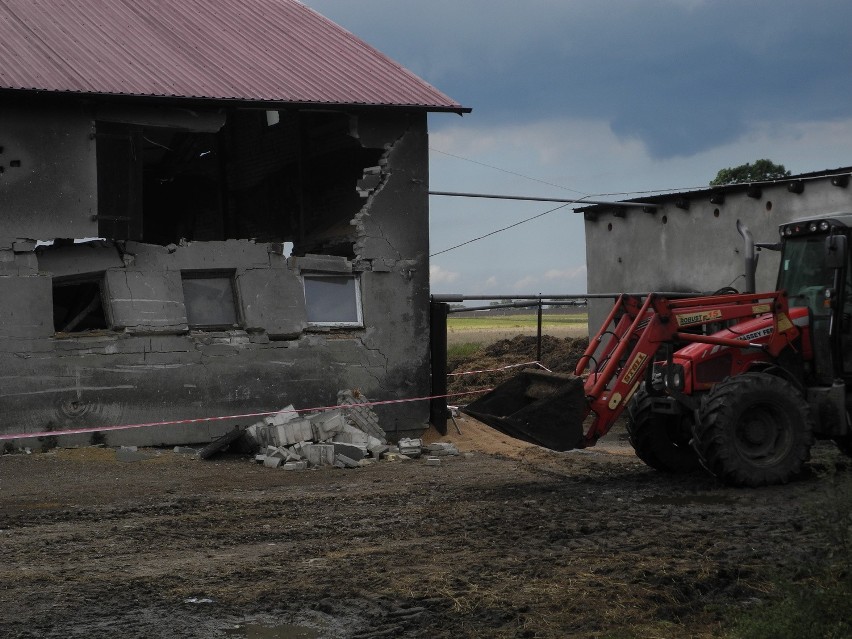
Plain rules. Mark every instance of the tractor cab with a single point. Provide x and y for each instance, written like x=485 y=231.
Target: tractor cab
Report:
x=814 y=270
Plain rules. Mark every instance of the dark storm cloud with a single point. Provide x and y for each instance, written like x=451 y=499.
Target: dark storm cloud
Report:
x=682 y=76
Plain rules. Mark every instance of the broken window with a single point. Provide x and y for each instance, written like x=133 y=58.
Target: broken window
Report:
x=333 y=300
x=78 y=305
x=292 y=179
x=210 y=300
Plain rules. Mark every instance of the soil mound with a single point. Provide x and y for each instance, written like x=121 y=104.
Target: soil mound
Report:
x=557 y=354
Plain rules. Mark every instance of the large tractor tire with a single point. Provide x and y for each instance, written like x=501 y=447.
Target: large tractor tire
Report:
x=661 y=441
x=844 y=443
x=753 y=430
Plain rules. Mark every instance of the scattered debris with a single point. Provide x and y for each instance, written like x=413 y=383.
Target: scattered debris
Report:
x=222 y=443
x=441 y=449
x=410 y=447
x=348 y=436
x=184 y=450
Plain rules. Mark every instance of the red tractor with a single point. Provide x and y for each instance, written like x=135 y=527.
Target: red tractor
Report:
x=740 y=384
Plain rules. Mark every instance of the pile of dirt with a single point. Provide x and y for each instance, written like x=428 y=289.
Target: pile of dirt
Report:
x=559 y=355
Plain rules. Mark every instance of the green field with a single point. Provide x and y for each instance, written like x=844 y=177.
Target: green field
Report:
x=493 y=321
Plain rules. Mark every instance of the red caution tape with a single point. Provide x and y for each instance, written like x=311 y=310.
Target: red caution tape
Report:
x=172 y=422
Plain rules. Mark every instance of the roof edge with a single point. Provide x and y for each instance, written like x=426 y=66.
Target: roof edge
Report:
x=42 y=94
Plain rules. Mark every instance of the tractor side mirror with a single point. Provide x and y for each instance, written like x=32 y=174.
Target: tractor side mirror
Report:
x=835 y=251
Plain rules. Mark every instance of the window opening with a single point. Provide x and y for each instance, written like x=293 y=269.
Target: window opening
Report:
x=333 y=300
x=78 y=306
x=301 y=179
x=210 y=300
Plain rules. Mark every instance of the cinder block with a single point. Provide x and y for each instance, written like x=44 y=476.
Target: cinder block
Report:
x=293 y=432
x=260 y=458
x=261 y=433
x=442 y=448
x=347 y=462
x=377 y=451
x=433 y=461
x=361 y=415
x=295 y=465
x=291 y=455
x=327 y=424
x=350 y=450
x=352 y=436
x=283 y=416
x=272 y=462
x=318 y=454
x=280 y=453
x=410 y=447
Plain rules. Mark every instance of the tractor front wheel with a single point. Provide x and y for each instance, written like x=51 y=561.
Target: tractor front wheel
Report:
x=753 y=430
x=661 y=441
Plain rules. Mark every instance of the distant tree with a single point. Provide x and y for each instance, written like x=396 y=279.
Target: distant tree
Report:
x=760 y=171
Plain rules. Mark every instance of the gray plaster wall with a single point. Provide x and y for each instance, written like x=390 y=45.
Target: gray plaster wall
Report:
x=48 y=183
x=149 y=365
x=697 y=249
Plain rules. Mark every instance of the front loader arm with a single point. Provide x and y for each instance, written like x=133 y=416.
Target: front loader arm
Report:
x=616 y=361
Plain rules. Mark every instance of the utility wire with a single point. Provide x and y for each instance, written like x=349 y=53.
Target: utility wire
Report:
x=566 y=188
x=505 y=228
x=497 y=168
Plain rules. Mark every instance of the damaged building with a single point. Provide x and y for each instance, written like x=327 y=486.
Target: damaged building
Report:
x=217 y=209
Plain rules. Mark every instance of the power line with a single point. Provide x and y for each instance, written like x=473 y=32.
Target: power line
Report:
x=505 y=228
x=497 y=168
x=566 y=188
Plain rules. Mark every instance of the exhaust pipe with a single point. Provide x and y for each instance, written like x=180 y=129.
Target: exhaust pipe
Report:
x=750 y=261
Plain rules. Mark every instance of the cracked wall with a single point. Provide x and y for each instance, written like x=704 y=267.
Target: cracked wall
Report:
x=349 y=191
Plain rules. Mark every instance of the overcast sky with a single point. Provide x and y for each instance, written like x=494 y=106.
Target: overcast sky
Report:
x=588 y=97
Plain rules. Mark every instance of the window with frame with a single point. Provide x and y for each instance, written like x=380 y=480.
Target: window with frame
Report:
x=210 y=300
x=333 y=300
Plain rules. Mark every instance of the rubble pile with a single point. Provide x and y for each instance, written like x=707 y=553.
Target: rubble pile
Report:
x=346 y=437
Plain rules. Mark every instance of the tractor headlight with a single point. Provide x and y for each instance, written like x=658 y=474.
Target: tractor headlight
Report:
x=823 y=226
x=675 y=378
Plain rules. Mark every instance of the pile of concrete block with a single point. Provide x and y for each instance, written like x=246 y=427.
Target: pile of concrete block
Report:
x=346 y=437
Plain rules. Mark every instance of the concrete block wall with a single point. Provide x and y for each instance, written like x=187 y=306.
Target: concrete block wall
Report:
x=698 y=248
x=150 y=365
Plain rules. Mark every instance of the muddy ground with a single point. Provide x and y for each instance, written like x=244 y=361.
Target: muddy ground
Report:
x=509 y=541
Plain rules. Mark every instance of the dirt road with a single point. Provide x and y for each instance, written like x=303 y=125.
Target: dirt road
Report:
x=509 y=541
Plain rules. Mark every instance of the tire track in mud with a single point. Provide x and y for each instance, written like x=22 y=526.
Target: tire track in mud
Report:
x=540 y=544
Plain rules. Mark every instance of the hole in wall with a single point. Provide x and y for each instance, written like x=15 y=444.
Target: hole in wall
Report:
x=768 y=205
x=609 y=226
x=78 y=306
x=665 y=219
x=715 y=212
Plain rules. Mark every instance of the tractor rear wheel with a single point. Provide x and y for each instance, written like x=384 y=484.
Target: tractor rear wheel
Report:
x=753 y=430
x=844 y=443
x=661 y=441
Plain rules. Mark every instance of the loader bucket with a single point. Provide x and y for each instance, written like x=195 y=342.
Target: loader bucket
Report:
x=536 y=406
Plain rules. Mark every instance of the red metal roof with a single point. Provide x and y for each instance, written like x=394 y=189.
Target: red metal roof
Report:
x=246 y=50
